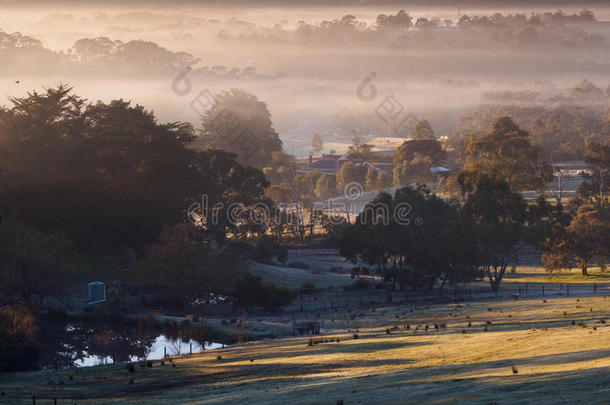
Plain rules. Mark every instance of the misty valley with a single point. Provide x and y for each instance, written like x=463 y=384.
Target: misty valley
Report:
x=304 y=201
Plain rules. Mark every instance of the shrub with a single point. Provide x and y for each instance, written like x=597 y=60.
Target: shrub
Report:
x=307 y=288
x=299 y=265
x=282 y=254
x=56 y=314
x=17 y=339
x=264 y=249
x=358 y=285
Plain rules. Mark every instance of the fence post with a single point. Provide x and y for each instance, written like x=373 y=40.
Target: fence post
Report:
x=191 y=347
x=55 y=364
x=542 y=289
x=164 y=351
x=568 y=289
x=33 y=400
x=594 y=287
x=55 y=401
x=525 y=287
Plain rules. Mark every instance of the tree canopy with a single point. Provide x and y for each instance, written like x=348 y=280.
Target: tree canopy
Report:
x=108 y=175
x=506 y=153
x=240 y=123
x=414 y=239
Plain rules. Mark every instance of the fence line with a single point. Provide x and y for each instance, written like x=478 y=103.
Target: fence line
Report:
x=323 y=302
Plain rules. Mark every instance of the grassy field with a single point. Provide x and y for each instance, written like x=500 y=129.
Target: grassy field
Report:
x=559 y=347
x=296 y=278
x=532 y=274
x=319 y=272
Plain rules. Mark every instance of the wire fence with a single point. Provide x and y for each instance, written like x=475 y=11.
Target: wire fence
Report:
x=329 y=301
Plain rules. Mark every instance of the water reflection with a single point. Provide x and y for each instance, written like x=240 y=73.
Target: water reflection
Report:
x=83 y=343
x=160 y=346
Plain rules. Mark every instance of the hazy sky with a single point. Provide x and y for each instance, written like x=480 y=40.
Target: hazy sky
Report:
x=304 y=84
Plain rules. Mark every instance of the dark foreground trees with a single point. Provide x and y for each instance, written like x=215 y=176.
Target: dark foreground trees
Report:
x=418 y=240
x=581 y=241
x=108 y=175
x=17 y=333
x=95 y=179
x=495 y=217
x=32 y=263
x=413 y=240
x=582 y=236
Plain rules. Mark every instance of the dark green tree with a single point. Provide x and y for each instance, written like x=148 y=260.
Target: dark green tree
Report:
x=495 y=216
x=413 y=239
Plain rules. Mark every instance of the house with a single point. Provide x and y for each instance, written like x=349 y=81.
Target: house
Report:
x=327 y=164
x=440 y=172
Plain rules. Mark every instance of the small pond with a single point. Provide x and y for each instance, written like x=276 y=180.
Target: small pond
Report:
x=92 y=342
x=161 y=345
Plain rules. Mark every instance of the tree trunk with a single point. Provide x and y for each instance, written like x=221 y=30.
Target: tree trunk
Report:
x=494 y=287
x=444 y=280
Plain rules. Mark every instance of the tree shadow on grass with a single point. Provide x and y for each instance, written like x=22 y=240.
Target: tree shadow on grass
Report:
x=366 y=344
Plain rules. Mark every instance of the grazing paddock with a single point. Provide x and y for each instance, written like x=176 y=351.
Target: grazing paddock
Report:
x=296 y=278
x=530 y=351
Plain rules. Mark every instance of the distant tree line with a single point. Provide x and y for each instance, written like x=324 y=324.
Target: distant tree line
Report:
x=562 y=132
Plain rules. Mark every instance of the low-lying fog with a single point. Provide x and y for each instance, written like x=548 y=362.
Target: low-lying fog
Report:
x=307 y=63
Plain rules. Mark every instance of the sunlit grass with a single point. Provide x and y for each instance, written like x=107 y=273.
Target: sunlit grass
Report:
x=532 y=274
x=559 y=343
